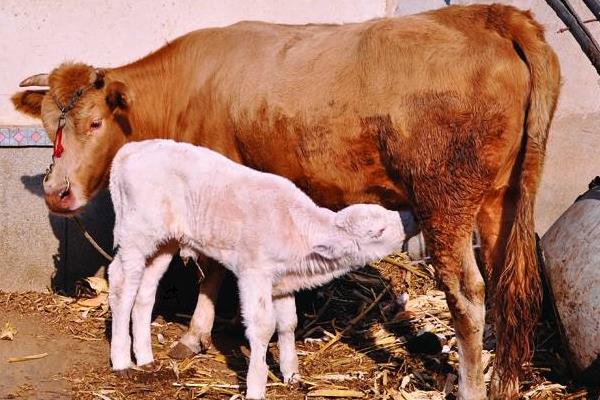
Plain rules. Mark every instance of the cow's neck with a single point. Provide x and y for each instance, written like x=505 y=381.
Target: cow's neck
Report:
x=162 y=94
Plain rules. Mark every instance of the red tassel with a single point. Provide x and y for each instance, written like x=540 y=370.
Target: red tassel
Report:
x=58 y=147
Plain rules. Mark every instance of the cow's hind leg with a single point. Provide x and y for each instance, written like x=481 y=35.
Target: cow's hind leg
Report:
x=144 y=303
x=198 y=336
x=449 y=236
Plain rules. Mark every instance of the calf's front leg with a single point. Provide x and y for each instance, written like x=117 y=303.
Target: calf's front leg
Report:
x=259 y=318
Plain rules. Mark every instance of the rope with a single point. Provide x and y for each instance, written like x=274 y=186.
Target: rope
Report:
x=90 y=239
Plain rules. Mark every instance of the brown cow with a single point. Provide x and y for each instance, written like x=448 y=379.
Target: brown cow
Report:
x=447 y=112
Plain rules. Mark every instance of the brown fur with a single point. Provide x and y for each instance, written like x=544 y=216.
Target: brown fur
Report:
x=446 y=112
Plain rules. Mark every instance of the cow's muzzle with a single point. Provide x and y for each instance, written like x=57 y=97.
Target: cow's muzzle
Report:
x=60 y=198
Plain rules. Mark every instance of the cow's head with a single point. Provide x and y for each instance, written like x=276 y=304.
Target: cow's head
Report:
x=96 y=126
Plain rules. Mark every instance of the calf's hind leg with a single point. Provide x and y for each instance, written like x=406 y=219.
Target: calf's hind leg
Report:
x=285 y=311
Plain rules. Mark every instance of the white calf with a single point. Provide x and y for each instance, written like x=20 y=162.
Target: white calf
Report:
x=264 y=229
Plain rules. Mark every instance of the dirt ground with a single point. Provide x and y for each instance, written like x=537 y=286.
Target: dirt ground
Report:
x=381 y=333
x=43 y=378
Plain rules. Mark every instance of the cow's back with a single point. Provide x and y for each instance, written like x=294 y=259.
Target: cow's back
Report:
x=314 y=103
x=318 y=103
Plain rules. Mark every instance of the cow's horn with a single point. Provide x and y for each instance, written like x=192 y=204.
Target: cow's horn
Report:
x=35 y=80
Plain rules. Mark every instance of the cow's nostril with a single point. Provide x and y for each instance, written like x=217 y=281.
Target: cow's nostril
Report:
x=65 y=192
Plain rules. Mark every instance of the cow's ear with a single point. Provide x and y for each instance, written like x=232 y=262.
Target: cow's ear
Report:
x=29 y=102
x=117 y=96
x=119 y=101
x=97 y=77
x=332 y=247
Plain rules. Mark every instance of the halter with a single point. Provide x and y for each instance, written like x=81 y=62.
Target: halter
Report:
x=62 y=121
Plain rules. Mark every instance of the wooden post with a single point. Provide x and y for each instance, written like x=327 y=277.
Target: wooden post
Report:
x=567 y=14
x=594 y=6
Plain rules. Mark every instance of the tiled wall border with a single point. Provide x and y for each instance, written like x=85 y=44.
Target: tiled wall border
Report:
x=24 y=136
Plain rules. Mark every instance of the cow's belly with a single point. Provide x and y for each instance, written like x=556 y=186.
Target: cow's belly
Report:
x=350 y=188
x=335 y=163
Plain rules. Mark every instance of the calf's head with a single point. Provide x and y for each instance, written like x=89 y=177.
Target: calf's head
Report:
x=94 y=126
x=362 y=233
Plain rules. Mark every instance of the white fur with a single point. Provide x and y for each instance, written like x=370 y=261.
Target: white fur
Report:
x=260 y=226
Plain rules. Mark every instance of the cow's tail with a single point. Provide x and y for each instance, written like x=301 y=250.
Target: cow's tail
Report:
x=518 y=285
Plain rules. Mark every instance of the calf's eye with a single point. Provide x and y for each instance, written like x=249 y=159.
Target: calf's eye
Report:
x=376 y=234
x=96 y=124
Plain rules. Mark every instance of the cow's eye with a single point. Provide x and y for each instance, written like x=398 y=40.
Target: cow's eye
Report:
x=96 y=124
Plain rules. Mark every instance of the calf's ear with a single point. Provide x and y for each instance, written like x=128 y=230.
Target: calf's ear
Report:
x=29 y=102
x=333 y=247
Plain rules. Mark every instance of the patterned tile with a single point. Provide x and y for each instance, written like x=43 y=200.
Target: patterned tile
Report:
x=24 y=136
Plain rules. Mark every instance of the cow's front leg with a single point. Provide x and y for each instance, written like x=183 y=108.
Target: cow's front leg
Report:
x=285 y=311
x=259 y=318
x=144 y=303
x=198 y=336
x=124 y=277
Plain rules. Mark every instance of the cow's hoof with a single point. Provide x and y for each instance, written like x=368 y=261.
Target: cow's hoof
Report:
x=149 y=367
x=205 y=343
x=180 y=351
x=126 y=373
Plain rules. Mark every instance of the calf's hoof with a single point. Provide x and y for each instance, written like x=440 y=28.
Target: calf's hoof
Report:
x=254 y=398
x=180 y=351
x=292 y=379
x=255 y=393
x=126 y=373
